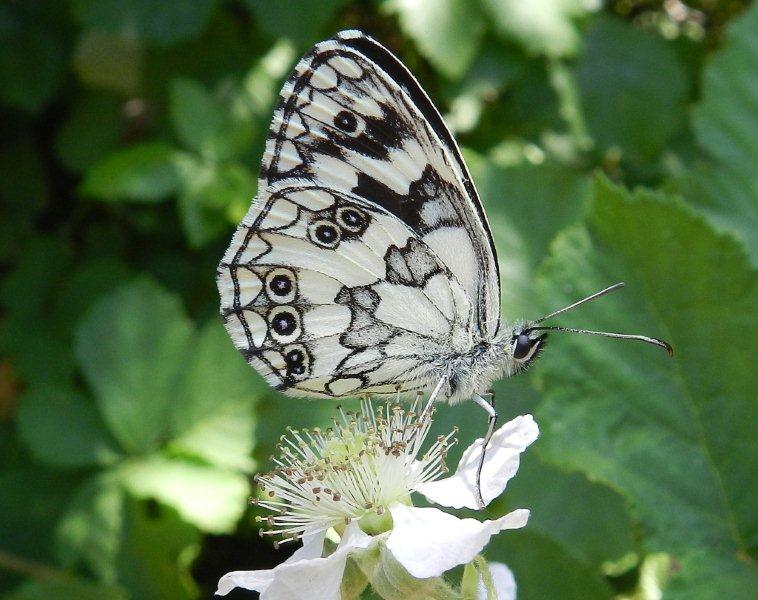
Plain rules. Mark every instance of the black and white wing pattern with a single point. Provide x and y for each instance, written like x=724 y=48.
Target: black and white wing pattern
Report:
x=366 y=258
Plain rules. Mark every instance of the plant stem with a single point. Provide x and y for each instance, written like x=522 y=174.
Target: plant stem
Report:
x=30 y=568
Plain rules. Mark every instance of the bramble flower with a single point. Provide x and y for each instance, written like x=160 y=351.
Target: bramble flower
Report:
x=502 y=580
x=352 y=485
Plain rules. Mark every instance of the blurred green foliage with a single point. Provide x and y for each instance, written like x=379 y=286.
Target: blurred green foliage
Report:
x=131 y=137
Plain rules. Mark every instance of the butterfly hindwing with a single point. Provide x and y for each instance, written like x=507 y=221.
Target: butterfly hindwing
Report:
x=328 y=295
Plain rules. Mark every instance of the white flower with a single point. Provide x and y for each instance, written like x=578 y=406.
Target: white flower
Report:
x=356 y=480
x=503 y=581
x=304 y=574
x=500 y=465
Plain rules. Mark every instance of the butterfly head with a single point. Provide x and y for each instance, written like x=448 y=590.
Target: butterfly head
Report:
x=525 y=346
x=528 y=340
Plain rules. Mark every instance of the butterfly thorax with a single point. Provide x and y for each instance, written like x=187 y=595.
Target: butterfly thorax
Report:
x=472 y=372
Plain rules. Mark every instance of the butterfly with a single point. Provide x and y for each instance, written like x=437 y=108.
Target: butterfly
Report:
x=366 y=264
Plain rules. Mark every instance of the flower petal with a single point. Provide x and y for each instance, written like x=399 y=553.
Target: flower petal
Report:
x=307 y=576
x=505 y=583
x=428 y=542
x=313 y=547
x=500 y=464
x=249 y=580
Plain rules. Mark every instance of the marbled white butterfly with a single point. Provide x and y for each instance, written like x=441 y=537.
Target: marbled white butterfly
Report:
x=366 y=265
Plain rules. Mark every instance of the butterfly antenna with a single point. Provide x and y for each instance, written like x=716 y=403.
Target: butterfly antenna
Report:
x=621 y=336
x=608 y=290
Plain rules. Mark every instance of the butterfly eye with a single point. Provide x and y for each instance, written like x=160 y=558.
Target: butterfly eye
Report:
x=346 y=121
x=351 y=219
x=281 y=285
x=297 y=361
x=521 y=346
x=284 y=323
x=325 y=234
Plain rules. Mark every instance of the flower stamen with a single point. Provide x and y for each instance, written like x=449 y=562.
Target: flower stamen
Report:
x=365 y=462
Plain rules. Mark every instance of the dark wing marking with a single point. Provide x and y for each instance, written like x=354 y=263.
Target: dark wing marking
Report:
x=403 y=77
x=352 y=118
x=365 y=308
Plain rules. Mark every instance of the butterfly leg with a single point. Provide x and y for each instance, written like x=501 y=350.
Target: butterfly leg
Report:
x=488 y=406
x=432 y=398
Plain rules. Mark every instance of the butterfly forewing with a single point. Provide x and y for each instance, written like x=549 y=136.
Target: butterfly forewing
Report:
x=353 y=118
x=367 y=254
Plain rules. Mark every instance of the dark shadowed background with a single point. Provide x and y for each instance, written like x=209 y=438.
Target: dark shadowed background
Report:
x=610 y=141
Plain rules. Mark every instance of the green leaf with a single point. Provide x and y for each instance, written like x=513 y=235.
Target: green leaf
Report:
x=588 y=520
x=724 y=120
x=214 y=420
x=521 y=102
x=131 y=347
x=302 y=22
x=542 y=569
x=210 y=498
x=163 y=21
x=204 y=124
x=447 y=32
x=65 y=589
x=83 y=285
x=725 y=125
x=35 y=344
x=90 y=532
x=143 y=173
x=545 y=26
x=212 y=197
x=44 y=298
x=92 y=130
x=674 y=435
x=39 y=355
x=83 y=441
x=33 y=57
x=21 y=202
x=225 y=437
x=633 y=89
x=523 y=228
x=27 y=288
x=32 y=500
x=495 y=67
x=727 y=197
x=142 y=546
x=109 y=62
x=157 y=553
x=708 y=575
x=196 y=116
x=262 y=82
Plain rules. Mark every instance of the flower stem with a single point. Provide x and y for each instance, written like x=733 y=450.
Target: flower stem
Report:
x=475 y=571
x=390 y=581
x=469 y=582
x=484 y=572
x=29 y=568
